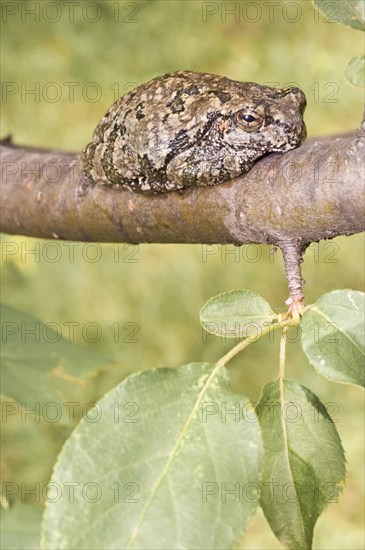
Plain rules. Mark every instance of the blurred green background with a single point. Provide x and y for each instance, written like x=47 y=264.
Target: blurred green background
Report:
x=77 y=62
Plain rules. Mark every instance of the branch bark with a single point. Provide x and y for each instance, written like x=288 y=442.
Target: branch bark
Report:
x=290 y=200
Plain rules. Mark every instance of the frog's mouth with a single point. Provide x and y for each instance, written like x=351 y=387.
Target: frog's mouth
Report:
x=295 y=134
x=303 y=136
x=293 y=141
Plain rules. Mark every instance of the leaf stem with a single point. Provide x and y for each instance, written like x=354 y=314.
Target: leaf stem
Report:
x=282 y=323
x=282 y=353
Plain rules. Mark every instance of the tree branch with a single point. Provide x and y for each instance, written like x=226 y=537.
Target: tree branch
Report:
x=290 y=200
x=308 y=194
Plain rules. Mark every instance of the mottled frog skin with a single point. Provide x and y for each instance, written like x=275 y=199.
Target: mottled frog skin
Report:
x=191 y=129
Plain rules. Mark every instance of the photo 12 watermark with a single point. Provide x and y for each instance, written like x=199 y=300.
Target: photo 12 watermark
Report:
x=228 y=491
x=71 y=11
x=70 y=91
x=52 y=332
x=68 y=251
x=90 y=492
x=289 y=411
x=265 y=11
x=237 y=331
x=321 y=252
x=70 y=412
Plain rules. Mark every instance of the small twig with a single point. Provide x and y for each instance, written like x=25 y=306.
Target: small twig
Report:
x=293 y=257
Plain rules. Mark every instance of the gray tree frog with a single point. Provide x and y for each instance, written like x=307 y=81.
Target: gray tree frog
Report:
x=191 y=129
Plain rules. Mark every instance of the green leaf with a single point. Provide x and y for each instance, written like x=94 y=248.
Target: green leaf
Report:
x=20 y=527
x=161 y=458
x=236 y=314
x=304 y=463
x=355 y=71
x=39 y=368
x=333 y=336
x=347 y=12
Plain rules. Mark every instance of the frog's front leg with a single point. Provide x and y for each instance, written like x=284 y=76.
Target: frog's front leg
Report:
x=203 y=166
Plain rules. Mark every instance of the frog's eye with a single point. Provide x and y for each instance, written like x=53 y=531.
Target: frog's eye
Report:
x=249 y=120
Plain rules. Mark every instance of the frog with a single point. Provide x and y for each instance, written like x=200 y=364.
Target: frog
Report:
x=189 y=129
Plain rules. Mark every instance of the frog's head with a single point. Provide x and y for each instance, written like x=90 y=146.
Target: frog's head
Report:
x=269 y=122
